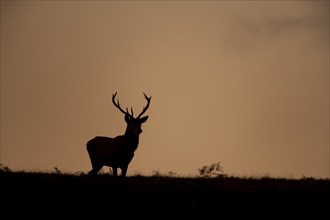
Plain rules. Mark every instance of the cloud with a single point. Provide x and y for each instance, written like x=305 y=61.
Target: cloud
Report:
x=282 y=25
x=262 y=27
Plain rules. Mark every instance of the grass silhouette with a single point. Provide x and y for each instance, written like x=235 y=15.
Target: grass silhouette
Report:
x=161 y=197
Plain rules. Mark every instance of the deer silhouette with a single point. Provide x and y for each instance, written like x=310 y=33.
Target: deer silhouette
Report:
x=117 y=152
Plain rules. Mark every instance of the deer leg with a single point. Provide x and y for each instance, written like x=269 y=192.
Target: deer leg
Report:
x=96 y=168
x=124 y=171
x=114 y=171
x=94 y=171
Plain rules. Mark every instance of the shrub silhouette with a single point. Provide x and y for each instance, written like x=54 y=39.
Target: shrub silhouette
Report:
x=213 y=170
x=4 y=168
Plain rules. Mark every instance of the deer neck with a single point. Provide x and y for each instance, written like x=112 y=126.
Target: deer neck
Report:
x=132 y=139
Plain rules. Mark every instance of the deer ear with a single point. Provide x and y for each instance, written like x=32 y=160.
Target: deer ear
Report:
x=144 y=119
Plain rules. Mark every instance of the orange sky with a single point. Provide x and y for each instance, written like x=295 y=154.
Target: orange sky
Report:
x=245 y=83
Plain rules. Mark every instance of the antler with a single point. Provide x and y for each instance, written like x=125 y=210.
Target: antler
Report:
x=146 y=107
x=126 y=112
x=118 y=105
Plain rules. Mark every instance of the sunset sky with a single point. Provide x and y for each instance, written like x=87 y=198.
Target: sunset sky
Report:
x=244 y=83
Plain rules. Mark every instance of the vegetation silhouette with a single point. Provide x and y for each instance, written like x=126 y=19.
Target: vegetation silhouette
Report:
x=117 y=152
x=58 y=194
x=213 y=170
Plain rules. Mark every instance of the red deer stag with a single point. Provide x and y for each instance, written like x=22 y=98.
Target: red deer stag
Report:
x=117 y=152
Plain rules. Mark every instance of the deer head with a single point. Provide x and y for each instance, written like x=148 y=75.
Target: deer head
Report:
x=133 y=124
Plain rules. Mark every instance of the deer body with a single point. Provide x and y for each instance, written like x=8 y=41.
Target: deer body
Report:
x=117 y=152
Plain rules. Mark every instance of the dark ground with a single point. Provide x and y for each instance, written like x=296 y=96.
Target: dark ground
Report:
x=53 y=196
